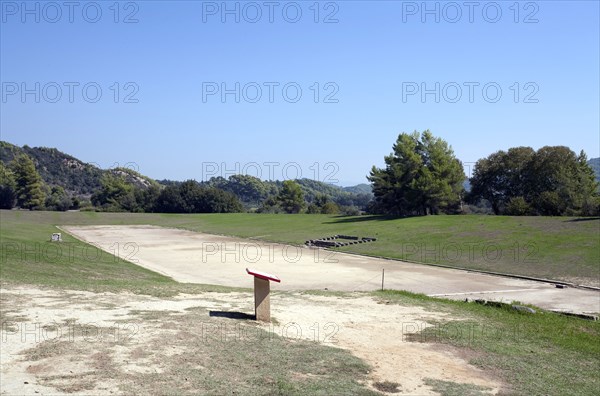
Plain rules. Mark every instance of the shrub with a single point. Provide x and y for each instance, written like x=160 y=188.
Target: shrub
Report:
x=549 y=203
x=517 y=206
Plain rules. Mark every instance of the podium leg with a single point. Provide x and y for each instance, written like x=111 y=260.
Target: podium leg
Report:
x=262 y=304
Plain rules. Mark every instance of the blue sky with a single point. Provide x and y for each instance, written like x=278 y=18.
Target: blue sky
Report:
x=495 y=75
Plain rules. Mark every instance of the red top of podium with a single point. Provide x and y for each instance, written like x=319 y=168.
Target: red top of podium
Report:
x=262 y=275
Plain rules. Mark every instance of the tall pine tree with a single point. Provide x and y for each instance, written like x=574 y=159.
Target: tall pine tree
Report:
x=291 y=197
x=422 y=176
x=28 y=183
x=7 y=188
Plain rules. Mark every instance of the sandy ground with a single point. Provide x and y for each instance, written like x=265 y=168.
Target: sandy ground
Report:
x=371 y=329
x=201 y=258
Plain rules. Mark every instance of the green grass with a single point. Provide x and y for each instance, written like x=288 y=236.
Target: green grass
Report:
x=558 y=248
x=534 y=354
x=28 y=257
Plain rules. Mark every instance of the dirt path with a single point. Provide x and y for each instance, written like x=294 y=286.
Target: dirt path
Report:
x=379 y=334
x=97 y=364
x=201 y=258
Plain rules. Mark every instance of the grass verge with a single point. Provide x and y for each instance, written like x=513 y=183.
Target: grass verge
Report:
x=534 y=354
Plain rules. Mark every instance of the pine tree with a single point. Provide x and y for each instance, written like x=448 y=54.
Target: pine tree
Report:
x=28 y=183
x=7 y=187
x=422 y=176
x=291 y=198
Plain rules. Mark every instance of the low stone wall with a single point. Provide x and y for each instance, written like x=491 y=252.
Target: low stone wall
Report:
x=338 y=241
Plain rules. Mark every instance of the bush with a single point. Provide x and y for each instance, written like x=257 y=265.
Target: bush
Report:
x=313 y=209
x=517 y=206
x=330 y=208
x=482 y=206
x=591 y=207
x=349 y=211
x=191 y=197
x=549 y=203
x=270 y=205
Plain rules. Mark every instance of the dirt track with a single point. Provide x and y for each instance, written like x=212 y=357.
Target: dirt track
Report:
x=202 y=258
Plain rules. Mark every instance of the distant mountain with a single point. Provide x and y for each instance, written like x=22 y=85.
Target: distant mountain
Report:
x=594 y=163
x=339 y=195
x=252 y=191
x=467 y=185
x=360 y=189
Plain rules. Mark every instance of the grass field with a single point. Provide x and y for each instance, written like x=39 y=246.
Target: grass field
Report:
x=541 y=354
x=558 y=248
x=28 y=257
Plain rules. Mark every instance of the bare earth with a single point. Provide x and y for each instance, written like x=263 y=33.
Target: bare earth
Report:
x=370 y=329
x=210 y=259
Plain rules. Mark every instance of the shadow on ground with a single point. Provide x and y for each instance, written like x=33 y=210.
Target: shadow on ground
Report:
x=583 y=219
x=356 y=219
x=231 y=315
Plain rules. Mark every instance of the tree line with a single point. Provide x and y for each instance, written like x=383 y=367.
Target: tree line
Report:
x=421 y=176
x=124 y=190
x=552 y=181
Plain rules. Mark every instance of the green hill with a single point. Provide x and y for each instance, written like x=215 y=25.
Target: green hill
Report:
x=341 y=196
x=75 y=176
x=362 y=188
x=252 y=191
x=82 y=179
x=57 y=168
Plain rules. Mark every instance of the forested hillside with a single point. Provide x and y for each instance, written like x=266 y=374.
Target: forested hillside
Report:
x=125 y=189
x=57 y=168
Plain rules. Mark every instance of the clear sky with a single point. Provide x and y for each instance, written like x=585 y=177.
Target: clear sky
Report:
x=193 y=89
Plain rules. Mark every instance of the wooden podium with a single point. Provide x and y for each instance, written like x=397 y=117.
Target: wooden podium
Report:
x=262 y=288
